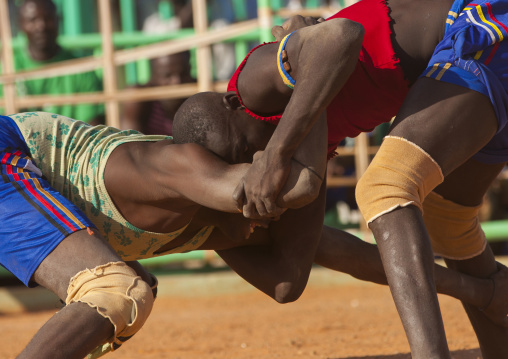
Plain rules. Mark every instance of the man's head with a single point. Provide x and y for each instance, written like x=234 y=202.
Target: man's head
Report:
x=39 y=21
x=171 y=69
x=218 y=122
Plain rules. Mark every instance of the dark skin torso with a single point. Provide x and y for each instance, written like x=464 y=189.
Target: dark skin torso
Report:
x=143 y=199
x=138 y=197
x=417 y=28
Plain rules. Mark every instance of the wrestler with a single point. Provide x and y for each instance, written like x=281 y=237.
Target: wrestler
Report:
x=451 y=130
x=144 y=195
x=140 y=193
x=416 y=29
x=47 y=240
x=357 y=67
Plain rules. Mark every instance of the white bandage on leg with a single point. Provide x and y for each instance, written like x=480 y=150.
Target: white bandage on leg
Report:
x=454 y=230
x=400 y=174
x=115 y=290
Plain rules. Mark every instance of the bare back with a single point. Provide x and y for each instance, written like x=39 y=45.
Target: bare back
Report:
x=133 y=182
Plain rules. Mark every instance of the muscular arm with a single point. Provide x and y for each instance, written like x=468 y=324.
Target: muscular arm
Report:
x=203 y=178
x=326 y=56
x=280 y=268
x=276 y=261
x=148 y=179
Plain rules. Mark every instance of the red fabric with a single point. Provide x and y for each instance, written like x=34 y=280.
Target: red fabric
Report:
x=377 y=80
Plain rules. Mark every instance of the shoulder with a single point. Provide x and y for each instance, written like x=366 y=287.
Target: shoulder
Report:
x=328 y=38
x=188 y=156
x=338 y=28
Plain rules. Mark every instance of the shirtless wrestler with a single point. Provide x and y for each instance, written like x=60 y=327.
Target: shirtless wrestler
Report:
x=360 y=89
x=144 y=195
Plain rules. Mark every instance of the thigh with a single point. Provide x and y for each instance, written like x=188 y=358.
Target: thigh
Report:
x=467 y=184
x=84 y=249
x=35 y=217
x=448 y=121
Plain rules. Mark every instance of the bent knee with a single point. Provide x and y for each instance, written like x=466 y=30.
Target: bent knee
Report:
x=393 y=180
x=118 y=294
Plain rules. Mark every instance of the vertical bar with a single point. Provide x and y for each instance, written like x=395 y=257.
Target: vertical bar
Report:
x=276 y=5
x=71 y=17
x=241 y=50
x=265 y=20
x=361 y=164
x=7 y=58
x=166 y=10
x=112 y=108
x=128 y=21
x=203 y=53
x=241 y=47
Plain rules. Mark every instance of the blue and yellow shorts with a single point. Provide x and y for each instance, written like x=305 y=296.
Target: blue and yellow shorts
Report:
x=474 y=54
x=35 y=218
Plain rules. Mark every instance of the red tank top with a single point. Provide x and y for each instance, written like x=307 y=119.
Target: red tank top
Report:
x=377 y=80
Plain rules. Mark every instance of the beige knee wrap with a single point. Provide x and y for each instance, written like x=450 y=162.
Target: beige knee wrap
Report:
x=115 y=290
x=400 y=174
x=454 y=230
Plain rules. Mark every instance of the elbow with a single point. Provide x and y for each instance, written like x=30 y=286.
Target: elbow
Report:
x=303 y=191
x=287 y=292
x=349 y=32
x=355 y=31
x=292 y=283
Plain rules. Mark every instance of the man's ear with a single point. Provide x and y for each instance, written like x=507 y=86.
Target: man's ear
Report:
x=231 y=101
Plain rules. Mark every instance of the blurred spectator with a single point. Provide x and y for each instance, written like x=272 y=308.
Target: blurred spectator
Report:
x=223 y=13
x=156 y=24
x=38 y=19
x=156 y=117
x=224 y=61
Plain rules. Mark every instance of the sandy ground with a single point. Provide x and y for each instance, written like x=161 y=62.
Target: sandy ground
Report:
x=218 y=316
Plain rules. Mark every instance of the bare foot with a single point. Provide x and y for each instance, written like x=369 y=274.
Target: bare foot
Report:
x=497 y=310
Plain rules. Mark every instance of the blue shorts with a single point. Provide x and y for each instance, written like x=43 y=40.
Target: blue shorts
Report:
x=473 y=54
x=35 y=218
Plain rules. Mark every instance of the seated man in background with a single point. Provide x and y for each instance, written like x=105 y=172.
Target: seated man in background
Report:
x=38 y=19
x=155 y=117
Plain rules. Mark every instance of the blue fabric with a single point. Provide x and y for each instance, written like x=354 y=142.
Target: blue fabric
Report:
x=35 y=218
x=474 y=54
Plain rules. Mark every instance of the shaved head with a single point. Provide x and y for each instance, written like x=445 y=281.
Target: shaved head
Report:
x=208 y=119
x=197 y=116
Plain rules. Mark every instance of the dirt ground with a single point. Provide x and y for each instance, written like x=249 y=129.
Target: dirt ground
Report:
x=349 y=320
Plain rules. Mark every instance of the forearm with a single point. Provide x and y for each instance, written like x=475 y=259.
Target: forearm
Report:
x=308 y=169
x=216 y=187
x=281 y=268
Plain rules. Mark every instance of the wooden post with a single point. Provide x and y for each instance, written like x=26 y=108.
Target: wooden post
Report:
x=203 y=53
x=265 y=20
x=110 y=88
x=125 y=56
x=10 y=106
x=361 y=164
